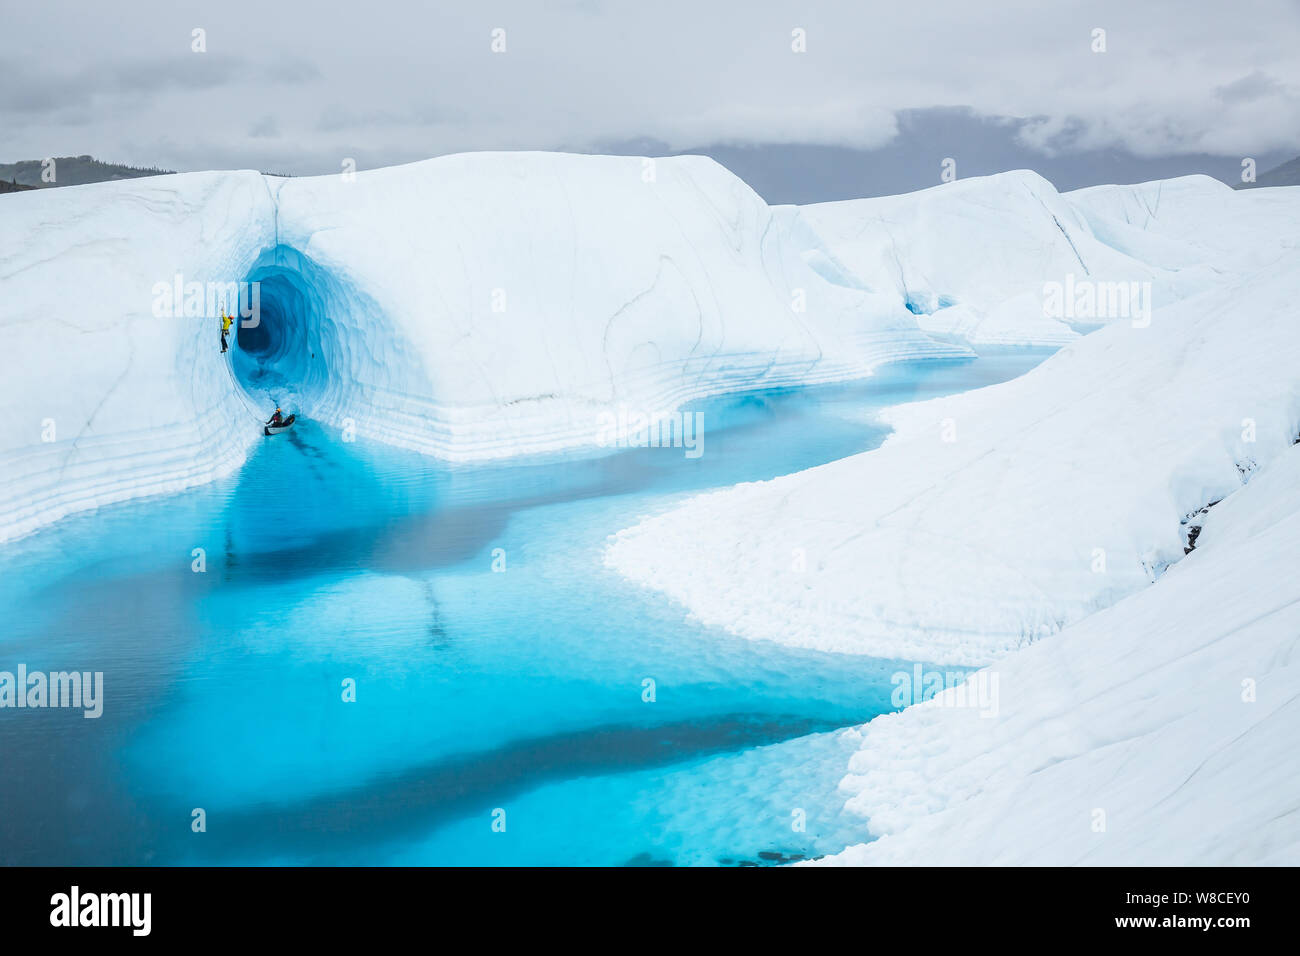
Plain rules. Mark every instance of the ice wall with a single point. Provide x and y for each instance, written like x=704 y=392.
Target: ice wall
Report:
x=104 y=400
x=470 y=306
x=972 y=258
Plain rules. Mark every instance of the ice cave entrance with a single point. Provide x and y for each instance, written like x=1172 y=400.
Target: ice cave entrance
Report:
x=282 y=352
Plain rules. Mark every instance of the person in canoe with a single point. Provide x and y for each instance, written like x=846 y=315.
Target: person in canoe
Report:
x=278 y=422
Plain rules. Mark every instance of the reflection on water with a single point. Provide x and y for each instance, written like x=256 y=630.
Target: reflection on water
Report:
x=496 y=663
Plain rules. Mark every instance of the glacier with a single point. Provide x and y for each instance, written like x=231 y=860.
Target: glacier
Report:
x=971 y=257
x=993 y=518
x=485 y=305
x=1045 y=530
x=472 y=306
x=1112 y=534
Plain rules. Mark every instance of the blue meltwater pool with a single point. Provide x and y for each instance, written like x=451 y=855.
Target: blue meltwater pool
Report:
x=386 y=659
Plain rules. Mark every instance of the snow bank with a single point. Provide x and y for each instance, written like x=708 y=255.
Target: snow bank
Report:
x=1160 y=732
x=470 y=306
x=993 y=518
x=972 y=258
x=1193 y=225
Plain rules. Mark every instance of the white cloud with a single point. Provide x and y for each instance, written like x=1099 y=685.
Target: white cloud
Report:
x=403 y=80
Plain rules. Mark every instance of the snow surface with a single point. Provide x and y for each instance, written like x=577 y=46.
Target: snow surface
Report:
x=1175 y=714
x=470 y=306
x=972 y=257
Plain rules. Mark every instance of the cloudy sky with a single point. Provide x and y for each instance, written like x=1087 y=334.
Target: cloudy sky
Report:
x=297 y=87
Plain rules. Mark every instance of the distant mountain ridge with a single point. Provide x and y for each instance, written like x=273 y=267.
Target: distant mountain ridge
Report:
x=73 y=171
x=805 y=174
x=979 y=145
x=1288 y=174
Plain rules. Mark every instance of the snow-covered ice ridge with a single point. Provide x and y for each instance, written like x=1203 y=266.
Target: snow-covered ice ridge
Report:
x=470 y=306
x=1160 y=731
x=993 y=518
x=492 y=304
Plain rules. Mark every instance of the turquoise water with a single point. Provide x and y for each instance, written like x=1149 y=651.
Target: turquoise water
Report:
x=501 y=710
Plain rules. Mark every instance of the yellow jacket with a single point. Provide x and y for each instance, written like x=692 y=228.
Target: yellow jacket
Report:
x=225 y=322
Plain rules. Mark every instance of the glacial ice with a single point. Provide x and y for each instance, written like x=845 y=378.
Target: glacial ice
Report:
x=1146 y=697
x=494 y=304
x=1160 y=731
x=471 y=306
x=991 y=519
x=488 y=305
